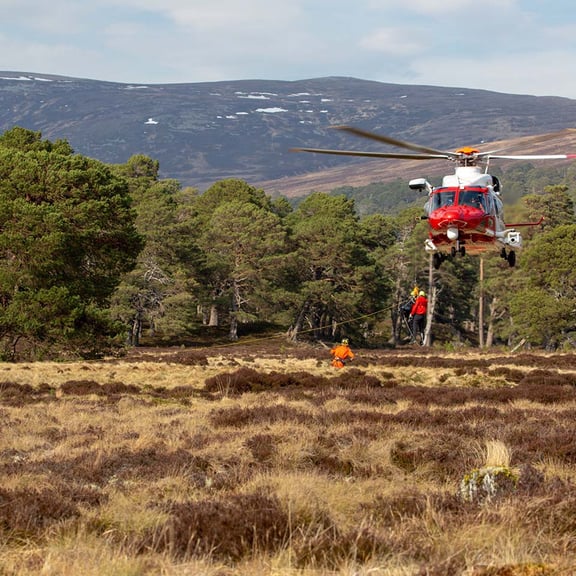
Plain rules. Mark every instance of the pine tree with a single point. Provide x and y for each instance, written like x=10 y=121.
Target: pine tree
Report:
x=67 y=236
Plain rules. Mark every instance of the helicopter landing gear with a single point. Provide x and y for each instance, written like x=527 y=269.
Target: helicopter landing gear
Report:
x=458 y=249
x=510 y=257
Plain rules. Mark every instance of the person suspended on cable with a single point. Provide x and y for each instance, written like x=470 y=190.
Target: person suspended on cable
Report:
x=406 y=307
x=341 y=354
x=418 y=317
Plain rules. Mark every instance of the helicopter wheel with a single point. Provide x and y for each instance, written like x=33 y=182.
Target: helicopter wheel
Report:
x=453 y=251
x=462 y=250
x=503 y=254
x=511 y=258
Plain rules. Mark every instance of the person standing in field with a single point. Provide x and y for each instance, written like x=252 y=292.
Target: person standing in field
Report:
x=341 y=354
x=418 y=316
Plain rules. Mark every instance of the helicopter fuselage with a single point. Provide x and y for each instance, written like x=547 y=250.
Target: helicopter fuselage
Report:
x=470 y=217
x=465 y=215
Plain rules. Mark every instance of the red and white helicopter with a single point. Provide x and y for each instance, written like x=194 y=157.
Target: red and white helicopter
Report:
x=464 y=213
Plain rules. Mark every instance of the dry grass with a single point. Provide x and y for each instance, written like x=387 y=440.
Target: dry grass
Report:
x=252 y=461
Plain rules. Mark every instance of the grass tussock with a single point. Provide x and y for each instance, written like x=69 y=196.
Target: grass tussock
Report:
x=184 y=462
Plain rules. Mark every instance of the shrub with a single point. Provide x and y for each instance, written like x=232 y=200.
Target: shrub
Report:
x=28 y=512
x=240 y=417
x=81 y=388
x=331 y=548
x=262 y=447
x=14 y=394
x=230 y=528
x=250 y=380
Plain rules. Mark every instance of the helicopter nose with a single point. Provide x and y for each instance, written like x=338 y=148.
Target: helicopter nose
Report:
x=451 y=218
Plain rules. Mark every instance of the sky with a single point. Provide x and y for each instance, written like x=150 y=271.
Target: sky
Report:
x=510 y=46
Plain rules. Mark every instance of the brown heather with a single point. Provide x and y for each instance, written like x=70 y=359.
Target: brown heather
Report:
x=257 y=459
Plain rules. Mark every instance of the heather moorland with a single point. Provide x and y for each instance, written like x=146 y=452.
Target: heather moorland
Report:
x=263 y=459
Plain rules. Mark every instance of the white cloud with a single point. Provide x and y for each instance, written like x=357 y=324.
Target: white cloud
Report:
x=214 y=14
x=63 y=17
x=392 y=41
x=535 y=73
x=471 y=7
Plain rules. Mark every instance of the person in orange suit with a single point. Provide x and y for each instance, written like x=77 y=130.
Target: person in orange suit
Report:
x=341 y=354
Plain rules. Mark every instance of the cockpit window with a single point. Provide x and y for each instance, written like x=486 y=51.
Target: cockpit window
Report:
x=475 y=199
x=441 y=199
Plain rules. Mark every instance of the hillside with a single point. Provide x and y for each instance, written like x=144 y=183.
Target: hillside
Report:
x=204 y=132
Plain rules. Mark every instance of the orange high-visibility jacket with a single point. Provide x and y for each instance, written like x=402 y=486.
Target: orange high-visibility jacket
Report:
x=340 y=354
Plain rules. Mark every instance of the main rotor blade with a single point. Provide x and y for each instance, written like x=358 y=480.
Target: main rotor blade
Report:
x=398 y=155
x=489 y=153
x=535 y=157
x=393 y=141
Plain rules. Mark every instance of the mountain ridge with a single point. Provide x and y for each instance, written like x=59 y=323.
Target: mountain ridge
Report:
x=204 y=132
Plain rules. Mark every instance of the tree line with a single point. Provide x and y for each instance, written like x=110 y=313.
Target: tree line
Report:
x=96 y=256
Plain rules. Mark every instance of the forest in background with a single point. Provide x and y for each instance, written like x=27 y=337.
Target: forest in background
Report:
x=97 y=256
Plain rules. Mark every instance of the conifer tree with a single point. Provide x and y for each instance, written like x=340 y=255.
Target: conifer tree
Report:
x=66 y=237
x=243 y=240
x=339 y=280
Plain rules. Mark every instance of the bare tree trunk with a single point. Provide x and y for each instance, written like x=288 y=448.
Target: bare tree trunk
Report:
x=295 y=329
x=481 y=306
x=233 y=332
x=431 y=304
x=214 y=319
x=204 y=313
x=395 y=316
x=429 y=316
x=234 y=309
x=135 y=331
x=490 y=330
